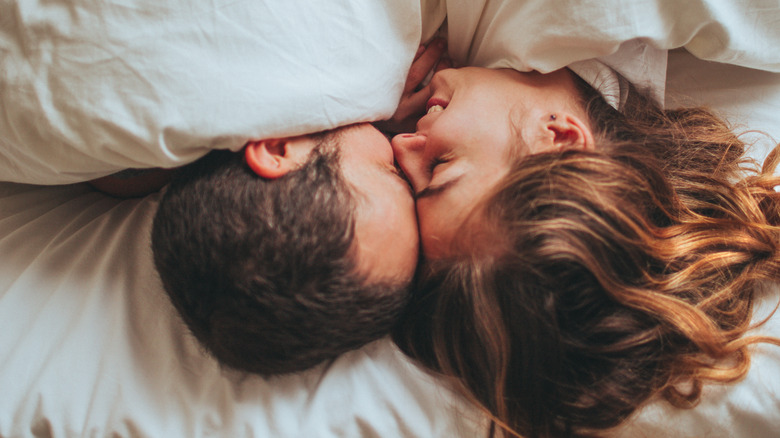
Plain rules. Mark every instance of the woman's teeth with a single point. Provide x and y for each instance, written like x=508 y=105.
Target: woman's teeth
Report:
x=435 y=109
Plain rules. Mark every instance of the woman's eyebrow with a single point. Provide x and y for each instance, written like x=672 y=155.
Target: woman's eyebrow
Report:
x=436 y=189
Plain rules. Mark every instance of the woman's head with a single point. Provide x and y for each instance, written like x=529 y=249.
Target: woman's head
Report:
x=620 y=271
x=479 y=122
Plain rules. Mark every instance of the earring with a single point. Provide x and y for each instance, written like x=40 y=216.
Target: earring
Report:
x=552 y=117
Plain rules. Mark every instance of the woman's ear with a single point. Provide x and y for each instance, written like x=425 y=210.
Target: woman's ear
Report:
x=568 y=131
x=276 y=157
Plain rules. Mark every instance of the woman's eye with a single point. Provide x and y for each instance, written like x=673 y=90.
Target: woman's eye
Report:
x=434 y=163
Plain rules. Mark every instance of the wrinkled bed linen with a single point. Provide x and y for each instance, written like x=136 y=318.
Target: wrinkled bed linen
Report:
x=92 y=87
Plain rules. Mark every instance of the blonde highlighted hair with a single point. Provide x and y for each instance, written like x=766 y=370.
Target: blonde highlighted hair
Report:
x=622 y=274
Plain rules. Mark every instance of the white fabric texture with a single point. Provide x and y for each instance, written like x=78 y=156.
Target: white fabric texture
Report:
x=499 y=34
x=630 y=37
x=546 y=35
x=92 y=87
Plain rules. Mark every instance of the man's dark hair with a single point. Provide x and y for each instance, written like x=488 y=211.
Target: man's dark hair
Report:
x=264 y=272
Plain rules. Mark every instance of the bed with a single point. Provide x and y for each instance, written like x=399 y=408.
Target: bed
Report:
x=89 y=344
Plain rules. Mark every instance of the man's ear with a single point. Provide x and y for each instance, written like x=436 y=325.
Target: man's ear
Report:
x=276 y=157
x=568 y=131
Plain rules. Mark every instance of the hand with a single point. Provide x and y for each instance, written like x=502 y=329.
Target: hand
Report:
x=428 y=60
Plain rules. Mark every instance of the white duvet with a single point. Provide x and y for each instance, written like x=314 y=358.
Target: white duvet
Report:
x=91 y=87
x=89 y=344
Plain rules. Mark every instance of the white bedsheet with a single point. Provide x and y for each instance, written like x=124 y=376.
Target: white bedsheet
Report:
x=90 y=346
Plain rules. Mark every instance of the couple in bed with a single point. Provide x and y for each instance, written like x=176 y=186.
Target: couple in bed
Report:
x=582 y=249
x=580 y=254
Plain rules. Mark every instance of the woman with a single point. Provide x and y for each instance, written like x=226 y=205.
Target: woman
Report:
x=581 y=260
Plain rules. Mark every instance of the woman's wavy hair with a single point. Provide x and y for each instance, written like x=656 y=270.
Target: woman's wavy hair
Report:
x=617 y=275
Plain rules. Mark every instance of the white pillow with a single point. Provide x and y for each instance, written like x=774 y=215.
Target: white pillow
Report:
x=630 y=37
x=89 y=88
x=546 y=35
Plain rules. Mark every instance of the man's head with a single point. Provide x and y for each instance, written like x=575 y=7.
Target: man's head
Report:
x=290 y=253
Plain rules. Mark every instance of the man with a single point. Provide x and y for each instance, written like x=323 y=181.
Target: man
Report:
x=297 y=249
x=291 y=252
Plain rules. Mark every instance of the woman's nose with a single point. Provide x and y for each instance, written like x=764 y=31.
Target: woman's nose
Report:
x=408 y=143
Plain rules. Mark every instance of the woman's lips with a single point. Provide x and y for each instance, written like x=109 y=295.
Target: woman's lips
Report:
x=436 y=102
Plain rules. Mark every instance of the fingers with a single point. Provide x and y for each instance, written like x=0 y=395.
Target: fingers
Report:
x=415 y=100
x=413 y=104
x=411 y=107
x=428 y=60
x=425 y=60
x=444 y=62
x=420 y=51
